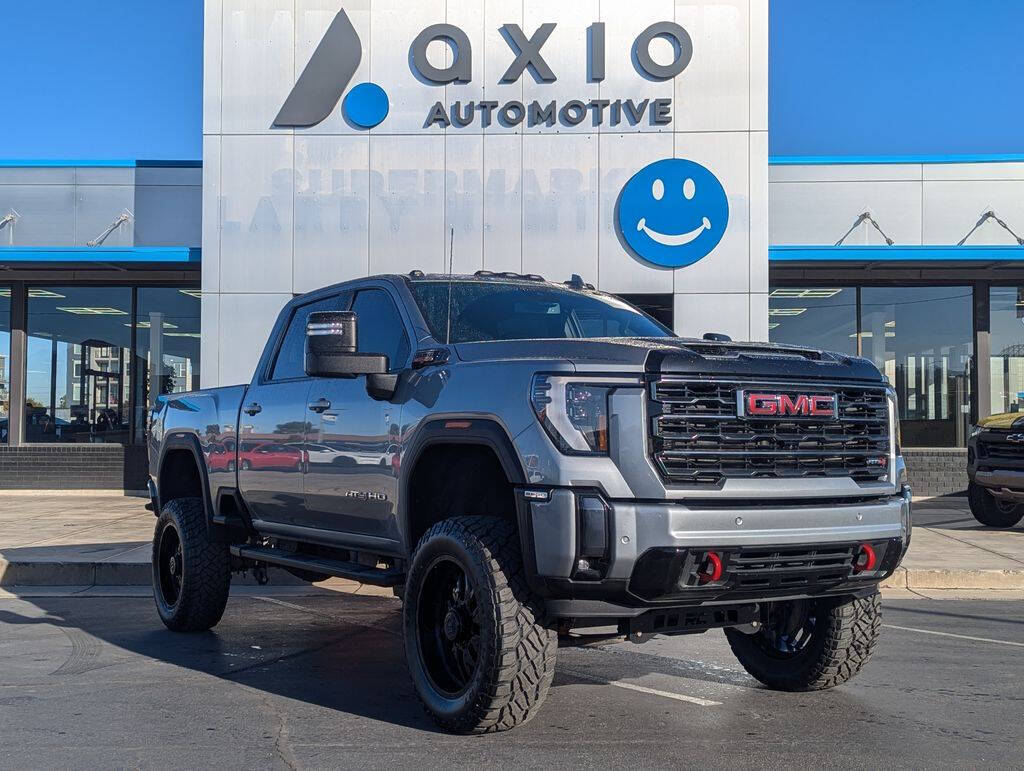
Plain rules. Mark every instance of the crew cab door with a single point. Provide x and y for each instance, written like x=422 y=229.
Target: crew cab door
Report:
x=352 y=474
x=274 y=425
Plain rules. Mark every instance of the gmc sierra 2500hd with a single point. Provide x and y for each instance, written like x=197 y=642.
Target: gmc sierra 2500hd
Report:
x=523 y=461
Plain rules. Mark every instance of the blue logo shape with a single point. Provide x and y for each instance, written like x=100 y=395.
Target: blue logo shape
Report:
x=366 y=105
x=673 y=212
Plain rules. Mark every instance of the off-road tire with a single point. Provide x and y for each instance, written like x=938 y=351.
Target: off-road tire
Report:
x=844 y=636
x=517 y=648
x=992 y=512
x=205 y=569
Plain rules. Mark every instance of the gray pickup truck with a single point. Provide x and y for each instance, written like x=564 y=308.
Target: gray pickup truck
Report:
x=527 y=462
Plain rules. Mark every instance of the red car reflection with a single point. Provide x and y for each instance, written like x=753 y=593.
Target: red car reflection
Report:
x=269 y=455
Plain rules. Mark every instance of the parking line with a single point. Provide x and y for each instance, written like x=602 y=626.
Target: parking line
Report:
x=643 y=689
x=958 y=636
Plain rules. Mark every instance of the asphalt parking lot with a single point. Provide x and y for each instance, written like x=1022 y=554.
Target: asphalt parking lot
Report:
x=296 y=680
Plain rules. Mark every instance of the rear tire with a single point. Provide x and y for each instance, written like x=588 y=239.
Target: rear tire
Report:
x=990 y=511
x=191 y=574
x=479 y=653
x=810 y=645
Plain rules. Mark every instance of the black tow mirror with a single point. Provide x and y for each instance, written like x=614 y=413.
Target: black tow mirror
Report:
x=331 y=342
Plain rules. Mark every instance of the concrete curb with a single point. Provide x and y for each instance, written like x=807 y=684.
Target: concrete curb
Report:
x=40 y=573
x=938 y=578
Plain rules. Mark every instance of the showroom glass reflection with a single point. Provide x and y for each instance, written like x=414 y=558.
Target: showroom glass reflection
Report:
x=921 y=338
x=80 y=372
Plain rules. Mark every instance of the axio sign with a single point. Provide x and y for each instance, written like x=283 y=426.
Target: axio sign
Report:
x=336 y=58
x=671 y=213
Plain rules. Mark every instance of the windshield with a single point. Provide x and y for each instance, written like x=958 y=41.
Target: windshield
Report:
x=482 y=310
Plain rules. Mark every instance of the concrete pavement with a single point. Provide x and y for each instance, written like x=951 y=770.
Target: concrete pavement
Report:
x=319 y=681
x=89 y=540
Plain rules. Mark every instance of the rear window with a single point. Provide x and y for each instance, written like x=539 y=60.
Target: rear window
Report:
x=483 y=311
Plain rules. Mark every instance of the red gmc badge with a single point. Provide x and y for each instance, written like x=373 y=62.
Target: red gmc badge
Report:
x=767 y=404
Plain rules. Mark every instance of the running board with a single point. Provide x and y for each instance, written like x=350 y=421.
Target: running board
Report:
x=337 y=568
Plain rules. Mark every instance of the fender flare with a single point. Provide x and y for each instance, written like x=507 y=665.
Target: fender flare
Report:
x=183 y=440
x=485 y=432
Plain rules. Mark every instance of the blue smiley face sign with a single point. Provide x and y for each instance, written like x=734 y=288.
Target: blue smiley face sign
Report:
x=673 y=212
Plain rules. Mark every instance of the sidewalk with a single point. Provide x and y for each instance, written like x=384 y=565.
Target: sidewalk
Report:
x=88 y=540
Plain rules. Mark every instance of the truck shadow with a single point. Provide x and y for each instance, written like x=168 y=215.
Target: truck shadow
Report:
x=341 y=652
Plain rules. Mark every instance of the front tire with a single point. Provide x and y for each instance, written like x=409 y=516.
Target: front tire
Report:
x=990 y=511
x=479 y=653
x=810 y=645
x=191 y=574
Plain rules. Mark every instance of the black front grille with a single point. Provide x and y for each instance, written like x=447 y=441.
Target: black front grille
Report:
x=1007 y=450
x=697 y=437
x=782 y=568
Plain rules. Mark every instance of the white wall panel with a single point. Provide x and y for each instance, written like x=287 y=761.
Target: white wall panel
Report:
x=845 y=172
x=312 y=18
x=696 y=314
x=713 y=92
x=332 y=199
x=951 y=209
x=47 y=215
x=621 y=155
x=209 y=344
x=758 y=316
x=406 y=203
x=503 y=202
x=819 y=213
x=394 y=25
x=758 y=214
x=566 y=54
x=560 y=205
x=257 y=191
x=463 y=201
x=758 y=65
x=727 y=268
x=258 y=64
x=623 y=22
x=973 y=171
x=212 y=203
x=213 y=51
x=245 y=324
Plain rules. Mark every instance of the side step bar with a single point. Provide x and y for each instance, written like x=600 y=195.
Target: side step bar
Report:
x=350 y=570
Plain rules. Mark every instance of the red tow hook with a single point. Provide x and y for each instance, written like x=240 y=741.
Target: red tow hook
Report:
x=711 y=571
x=865 y=559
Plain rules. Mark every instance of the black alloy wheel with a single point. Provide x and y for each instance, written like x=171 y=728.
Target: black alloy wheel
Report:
x=448 y=625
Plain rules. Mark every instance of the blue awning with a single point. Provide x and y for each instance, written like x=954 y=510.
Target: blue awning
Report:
x=921 y=255
x=25 y=256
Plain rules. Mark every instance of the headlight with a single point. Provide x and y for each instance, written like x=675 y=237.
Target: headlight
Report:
x=894 y=423
x=974 y=431
x=574 y=410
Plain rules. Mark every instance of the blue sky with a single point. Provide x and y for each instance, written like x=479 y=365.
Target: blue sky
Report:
x=116 y=79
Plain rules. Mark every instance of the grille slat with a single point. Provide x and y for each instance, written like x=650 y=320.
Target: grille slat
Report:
x=697 y=438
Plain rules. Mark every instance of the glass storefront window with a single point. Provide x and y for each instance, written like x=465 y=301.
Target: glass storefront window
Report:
x=922 y=339
x=1006 y=365
x=819 y=317
x=5 y=363
x=166 y=347
x=78 y=362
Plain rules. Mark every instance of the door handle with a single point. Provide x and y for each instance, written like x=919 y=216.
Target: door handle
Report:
x=252 y=408
x=320 y=405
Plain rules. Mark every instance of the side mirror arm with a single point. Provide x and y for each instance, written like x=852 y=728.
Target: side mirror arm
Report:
x=382 y=387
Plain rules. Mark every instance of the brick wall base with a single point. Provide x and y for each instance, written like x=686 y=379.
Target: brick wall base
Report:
x=73 y=467
x=937 y=471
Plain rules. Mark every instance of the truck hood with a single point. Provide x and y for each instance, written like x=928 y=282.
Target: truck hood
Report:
x=681 y=355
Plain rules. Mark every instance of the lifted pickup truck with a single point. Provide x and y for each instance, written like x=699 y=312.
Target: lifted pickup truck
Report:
x=526 y=461
x=995 y=470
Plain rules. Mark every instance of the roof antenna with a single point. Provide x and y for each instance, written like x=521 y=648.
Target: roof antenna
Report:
x=451 y=263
